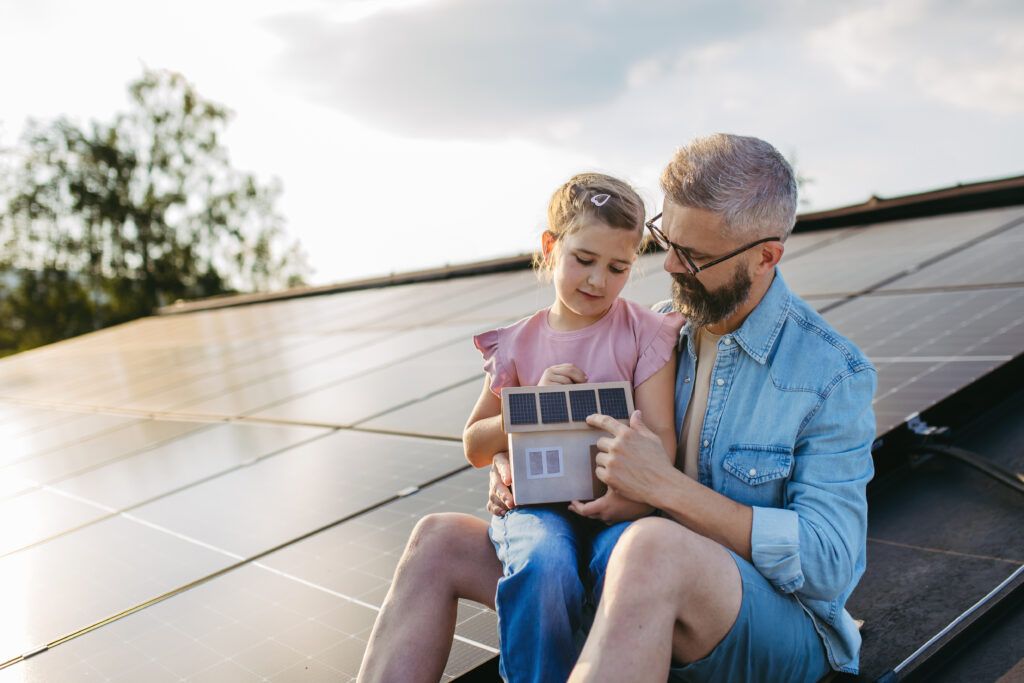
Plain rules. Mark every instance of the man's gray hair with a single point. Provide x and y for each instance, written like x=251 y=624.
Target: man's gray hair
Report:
x=742 y=179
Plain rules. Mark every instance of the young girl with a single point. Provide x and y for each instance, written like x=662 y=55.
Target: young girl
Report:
x=589 y=334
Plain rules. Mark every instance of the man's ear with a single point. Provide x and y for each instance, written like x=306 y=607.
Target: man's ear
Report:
x=771 y=254
x=547 y=243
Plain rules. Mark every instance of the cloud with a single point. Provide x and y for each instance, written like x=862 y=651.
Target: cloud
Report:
x=965 y=54
x=461 y=68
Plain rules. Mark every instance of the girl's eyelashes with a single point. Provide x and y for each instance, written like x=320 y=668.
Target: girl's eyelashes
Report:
x=586 y=262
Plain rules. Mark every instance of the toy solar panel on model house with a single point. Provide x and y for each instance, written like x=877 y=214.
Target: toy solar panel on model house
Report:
x=551 y=446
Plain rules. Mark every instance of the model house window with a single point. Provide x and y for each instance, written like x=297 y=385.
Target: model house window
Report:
x=543 y=462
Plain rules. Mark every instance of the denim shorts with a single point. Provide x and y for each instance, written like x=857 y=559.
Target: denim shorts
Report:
x=773 y=639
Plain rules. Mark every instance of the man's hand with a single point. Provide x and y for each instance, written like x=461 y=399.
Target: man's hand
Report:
x=500 y=498
x=632 y=460
x=563 y=373
x=611 y=508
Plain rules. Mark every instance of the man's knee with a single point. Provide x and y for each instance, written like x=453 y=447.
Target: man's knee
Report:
x=658 y=552
x=651 y=539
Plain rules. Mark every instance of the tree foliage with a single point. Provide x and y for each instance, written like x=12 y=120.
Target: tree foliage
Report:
x=104 y=223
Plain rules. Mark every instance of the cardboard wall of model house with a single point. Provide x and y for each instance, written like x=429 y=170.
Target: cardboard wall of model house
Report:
x=555 y=462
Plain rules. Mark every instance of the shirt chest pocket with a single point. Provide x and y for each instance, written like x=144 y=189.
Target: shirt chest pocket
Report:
x=756 y=474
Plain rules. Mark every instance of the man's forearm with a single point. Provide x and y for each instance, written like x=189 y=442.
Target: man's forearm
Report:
x=705 y=511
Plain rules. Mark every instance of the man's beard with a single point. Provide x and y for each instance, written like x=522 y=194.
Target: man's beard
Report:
x=701 y=307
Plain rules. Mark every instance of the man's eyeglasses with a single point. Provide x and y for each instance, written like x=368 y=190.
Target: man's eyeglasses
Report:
x=684 y=258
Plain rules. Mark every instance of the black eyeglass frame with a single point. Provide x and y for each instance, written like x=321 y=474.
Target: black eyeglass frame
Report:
x=664 y=242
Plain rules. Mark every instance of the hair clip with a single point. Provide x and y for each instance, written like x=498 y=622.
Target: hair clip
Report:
x=600 y=199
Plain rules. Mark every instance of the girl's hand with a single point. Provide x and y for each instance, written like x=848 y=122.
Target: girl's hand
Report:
x=611 y=508
x=500 y=498
x=564 y=373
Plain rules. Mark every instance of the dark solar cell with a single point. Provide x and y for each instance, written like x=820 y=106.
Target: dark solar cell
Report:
x=522 y=409
x=613 y=403
x=583 y=402
x=553 y=408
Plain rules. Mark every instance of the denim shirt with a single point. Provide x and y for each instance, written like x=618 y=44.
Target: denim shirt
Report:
x=788 y=431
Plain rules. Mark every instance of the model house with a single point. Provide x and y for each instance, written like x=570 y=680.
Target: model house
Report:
x=551 y=447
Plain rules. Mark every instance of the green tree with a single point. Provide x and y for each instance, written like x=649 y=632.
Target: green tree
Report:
x=105 y=223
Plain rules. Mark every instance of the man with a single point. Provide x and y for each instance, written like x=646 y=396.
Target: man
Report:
x=745 y=573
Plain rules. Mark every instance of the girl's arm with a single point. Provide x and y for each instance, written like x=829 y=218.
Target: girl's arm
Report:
x=484 y=434
x=656 y=400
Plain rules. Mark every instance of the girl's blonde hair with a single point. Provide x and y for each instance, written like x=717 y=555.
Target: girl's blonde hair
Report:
x=588 y=197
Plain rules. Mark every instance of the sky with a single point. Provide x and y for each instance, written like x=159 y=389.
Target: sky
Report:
x=412 y=134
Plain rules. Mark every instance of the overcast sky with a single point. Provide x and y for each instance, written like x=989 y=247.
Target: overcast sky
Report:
x=416 y=133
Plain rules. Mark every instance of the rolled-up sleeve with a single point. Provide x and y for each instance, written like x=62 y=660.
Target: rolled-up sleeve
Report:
x=811 y=545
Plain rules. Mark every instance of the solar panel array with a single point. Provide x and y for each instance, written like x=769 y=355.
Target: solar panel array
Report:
x=224 y=495
x=522 y=404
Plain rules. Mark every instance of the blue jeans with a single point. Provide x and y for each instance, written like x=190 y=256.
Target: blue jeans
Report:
x=554 y=563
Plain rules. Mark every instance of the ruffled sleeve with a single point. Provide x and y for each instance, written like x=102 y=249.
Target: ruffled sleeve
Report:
x=495 y=364
x=660 y=347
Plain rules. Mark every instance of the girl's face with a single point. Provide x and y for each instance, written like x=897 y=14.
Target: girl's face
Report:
x=590 y=269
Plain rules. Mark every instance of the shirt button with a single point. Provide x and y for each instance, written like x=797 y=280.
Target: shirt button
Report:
x=706 y=443
x=727 y=341
x=752 y=472
x=686 y=380
x=720 y=382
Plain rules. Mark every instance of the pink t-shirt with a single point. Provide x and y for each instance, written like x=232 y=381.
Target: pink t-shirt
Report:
x=631 y=342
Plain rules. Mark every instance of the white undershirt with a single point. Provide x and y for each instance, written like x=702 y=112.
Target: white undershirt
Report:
x=706 y=345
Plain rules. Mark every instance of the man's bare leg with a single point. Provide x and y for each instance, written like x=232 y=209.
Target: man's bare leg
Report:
x=449 y=556
x=669 y=594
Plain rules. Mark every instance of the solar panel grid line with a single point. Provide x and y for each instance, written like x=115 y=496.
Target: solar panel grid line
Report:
x=938 y=366
x=35 y=456
x=115 y=511
x=840 y=235
x=241 y=383
x=472 y=294
x=220 y=572
x=361 y=373
x=467 y=617
x=418 y=399
x=952 y=252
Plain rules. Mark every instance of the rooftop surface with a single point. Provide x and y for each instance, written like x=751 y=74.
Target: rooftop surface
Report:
x=224 y=494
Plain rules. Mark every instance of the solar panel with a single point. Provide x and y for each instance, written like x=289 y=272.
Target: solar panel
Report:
x=583 y=402
x=328 y=360
x=553 y=409
x=522 y=409
x=613 y=403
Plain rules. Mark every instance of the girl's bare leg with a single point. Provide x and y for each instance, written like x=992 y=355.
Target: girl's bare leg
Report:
x=449 y=556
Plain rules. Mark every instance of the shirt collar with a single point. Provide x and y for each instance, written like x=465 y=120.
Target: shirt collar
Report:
x=759 y=331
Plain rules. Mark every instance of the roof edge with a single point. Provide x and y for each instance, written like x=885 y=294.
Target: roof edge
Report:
x=959 y=198
x=520 y=262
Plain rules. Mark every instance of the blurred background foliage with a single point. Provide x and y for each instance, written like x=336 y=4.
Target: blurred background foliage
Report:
x=104 y=223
